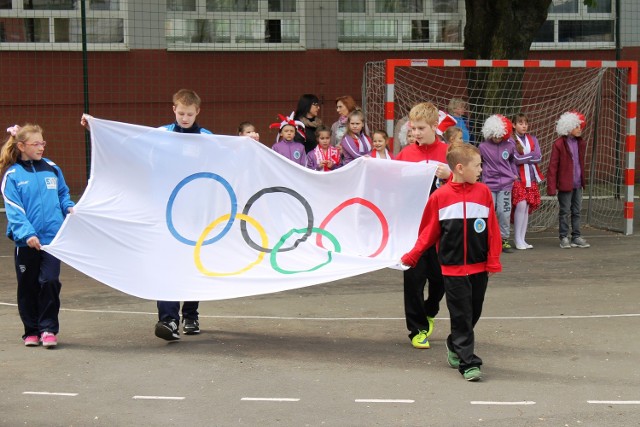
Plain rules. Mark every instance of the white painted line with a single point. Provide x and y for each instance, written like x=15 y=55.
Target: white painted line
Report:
x=47 y=393
x=385 y=401
x=482 y=402
x=614 y=402
x=158 y=397
x=271 y=399
x=340 y=319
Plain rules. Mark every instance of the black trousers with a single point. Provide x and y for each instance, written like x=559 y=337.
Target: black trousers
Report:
x=416 y=308
x=168 y=310
x=465 y=296
x=38 y=274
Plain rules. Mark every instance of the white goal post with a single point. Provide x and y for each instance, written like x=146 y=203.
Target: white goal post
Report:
x=604 y=91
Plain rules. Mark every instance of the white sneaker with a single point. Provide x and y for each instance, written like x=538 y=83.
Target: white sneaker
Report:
x=565 y=243
x=579 y=242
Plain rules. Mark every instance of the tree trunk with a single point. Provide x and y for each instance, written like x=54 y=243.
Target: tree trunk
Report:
x=498 y=29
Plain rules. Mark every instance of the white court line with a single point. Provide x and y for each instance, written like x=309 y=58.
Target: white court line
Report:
x=483 y=402
x=158 y=398
x=594 y=316
x=384 y=401
x=47 y=393
x=614 y=402
x=271 y=399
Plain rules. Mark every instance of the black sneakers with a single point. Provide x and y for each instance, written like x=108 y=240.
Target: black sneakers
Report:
x=168 y=330
x=191 y=326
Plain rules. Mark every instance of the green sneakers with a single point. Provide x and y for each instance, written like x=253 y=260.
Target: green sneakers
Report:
x=452 y=358
x=431 y=321
x=420 y=340
x=472 y=374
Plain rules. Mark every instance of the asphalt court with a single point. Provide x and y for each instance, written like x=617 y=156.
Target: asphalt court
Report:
x=558 y=336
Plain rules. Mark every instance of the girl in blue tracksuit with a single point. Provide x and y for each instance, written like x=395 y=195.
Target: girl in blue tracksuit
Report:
x=36 y=200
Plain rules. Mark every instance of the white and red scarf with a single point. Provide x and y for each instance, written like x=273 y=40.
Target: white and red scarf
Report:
x=331 y=153
x=525 y=171
x=374 y=153
x=362 y=142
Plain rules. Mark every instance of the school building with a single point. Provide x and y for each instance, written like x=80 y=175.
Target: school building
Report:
x=247 y=59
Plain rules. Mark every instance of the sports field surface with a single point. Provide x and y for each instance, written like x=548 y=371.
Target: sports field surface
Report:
x=559 y=337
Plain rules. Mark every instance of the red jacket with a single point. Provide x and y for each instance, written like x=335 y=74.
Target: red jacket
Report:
x=460 y=218
x=417 y=153
x=560 y=172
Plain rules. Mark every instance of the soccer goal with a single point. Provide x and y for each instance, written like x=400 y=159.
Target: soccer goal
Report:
x=604 y=91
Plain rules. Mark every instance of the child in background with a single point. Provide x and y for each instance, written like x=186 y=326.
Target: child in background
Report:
x=566 y=176
x=324 y=157
x=356 y=142
x=186 y=107
x=460 y=219
x=405 y=134
x=36 y=200
x=420 y=313
x=452 y=135
x=499 y=170
x=286 y=145
x=526 y=195
x=248 y=129
x=380 y=139
x=457 y=108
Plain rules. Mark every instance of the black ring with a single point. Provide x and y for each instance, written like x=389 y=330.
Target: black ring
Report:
x=252 y=200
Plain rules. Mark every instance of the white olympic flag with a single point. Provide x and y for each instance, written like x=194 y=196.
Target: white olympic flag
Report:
x=186 y=217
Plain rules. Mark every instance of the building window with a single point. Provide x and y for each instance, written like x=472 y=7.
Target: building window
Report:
x=235 y=25
x=57 y=25
x=572 y=24
x=400 y=24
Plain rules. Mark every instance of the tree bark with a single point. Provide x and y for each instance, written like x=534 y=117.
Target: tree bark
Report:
x=498 y=29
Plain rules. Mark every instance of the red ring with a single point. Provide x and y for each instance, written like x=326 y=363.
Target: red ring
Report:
x=374 y=209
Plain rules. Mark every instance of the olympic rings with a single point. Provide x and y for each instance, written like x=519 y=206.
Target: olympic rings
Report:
x=196 y=253
x=252 y=200
x=263 y=247
x=320 y=231
x=374 y=209
x=174 y=194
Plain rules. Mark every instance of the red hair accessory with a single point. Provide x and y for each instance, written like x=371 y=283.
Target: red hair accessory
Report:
x=284 y=121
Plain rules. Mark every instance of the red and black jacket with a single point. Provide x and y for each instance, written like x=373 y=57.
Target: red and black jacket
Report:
x=461 y=219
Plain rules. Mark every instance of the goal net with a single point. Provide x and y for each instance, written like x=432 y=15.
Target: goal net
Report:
x=604 y=91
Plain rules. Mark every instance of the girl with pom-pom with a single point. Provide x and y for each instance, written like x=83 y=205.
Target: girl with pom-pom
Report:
x=499 y=170
x=566 y=178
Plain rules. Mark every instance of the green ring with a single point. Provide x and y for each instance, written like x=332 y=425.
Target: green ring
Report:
x=325 y=233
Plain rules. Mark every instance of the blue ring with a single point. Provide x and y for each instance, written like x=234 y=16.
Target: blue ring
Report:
x=174 y=193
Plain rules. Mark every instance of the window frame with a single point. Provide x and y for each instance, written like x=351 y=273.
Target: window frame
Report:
x=262 y=13
x=581 y=15
x=400 y=18
x=18 y=12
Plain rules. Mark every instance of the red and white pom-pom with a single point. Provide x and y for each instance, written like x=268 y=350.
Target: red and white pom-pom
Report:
x=403 y=135
x=445 y=121
x=497 y=126
x=569 y=121
x=287 y=121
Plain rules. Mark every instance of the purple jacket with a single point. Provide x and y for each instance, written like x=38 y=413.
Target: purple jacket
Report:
x=350 y=149
x=292 y=150
x=498 y=164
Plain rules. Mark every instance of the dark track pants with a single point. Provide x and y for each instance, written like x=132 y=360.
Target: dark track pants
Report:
x=168 y=310
x=465 y=296
x=38 y=274
x=416 y=308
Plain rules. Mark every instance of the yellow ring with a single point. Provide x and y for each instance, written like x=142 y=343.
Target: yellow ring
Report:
x=196 y=252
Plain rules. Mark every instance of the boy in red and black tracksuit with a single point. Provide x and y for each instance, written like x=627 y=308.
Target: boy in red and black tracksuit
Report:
x=461 y=220
x=420 y=312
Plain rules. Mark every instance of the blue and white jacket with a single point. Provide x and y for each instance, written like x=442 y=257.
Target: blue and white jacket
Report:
x=36 y=199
